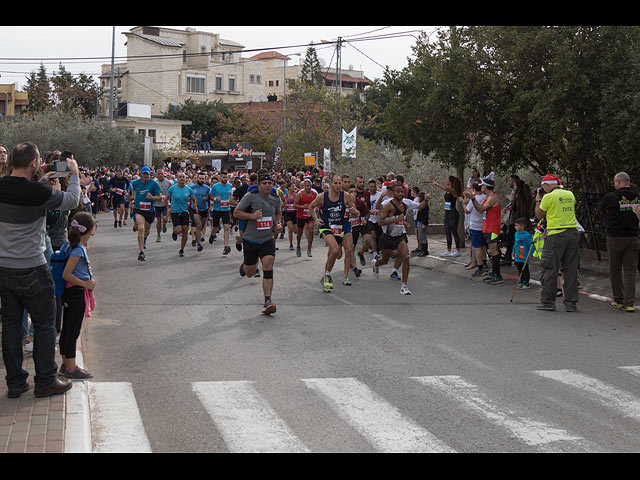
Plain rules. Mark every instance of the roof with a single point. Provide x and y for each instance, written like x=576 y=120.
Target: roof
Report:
x=229 y=43
x=347 y=78
x=271 y=54
x=164 y=41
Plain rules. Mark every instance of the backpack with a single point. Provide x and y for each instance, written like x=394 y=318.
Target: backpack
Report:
x=58 y=264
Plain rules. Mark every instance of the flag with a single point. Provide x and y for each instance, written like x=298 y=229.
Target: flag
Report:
x=349 y=143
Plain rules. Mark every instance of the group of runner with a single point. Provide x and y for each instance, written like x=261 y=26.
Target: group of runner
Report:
x=262 y=205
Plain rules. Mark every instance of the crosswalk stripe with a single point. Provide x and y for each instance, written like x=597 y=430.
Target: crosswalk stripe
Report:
x=246 y=421
x=612 y=397
x=532 y=432
x=635 y=370
x=378 y=421
x=115 y=419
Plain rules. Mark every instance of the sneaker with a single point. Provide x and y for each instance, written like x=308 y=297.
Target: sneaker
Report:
x=309 y=253
x=496 y=280
x=415 y=251
x=628 y=309
x=174 y=236
x=158 y=240
x=115 y=224
x=395 y=276
x=226 y=251
x=559 y=292
x=120 y=223
x=241 y=269
x=164 y=229
x=298 y=252
x=211 y=240
x=446 y=253
x=546 y=307
x=615 y=304
x=375 y=267
x=346 y=282
x=488 y=278
x=327 y=283
x=77 y=374
x=478 y=272
x=28 y=347
x=404 y=290
x=200 y=247
x=239 y=246
x=269 y=308
x=357 y=272
x=455 y=253
x=257 y=274
x=141 y=256
x=290 y=246
x=193 y=243
x=362 y=260
x=181 y=253
x=523 y=286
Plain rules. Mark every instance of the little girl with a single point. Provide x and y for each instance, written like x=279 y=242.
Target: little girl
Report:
x=78 y=297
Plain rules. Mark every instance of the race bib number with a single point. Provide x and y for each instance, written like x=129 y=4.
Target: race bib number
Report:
x=265 y=223
x=145 y=205
x=447 y=205
x=224 y=203
x=290 y=208
x=374 y=212
x=306 y=212
x=119 y=191
x=336 y=229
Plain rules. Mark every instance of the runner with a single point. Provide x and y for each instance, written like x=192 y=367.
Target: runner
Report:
x=221 y=195
x=146 y=192
x=335 y=228
x=373 y=239
x=179 y=196
x=304 y=221
x=394 y=233
x=359 y=224
x=290 y=213
x=162 y=209
x=261 y=209
x=118 y=186
x=200 y=209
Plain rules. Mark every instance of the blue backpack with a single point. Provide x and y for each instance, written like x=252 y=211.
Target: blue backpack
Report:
x=58 y=263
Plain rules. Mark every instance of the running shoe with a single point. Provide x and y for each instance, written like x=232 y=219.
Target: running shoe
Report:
x=523 y=286
x=239 y=246
x=404 y=290
x=193 y=243
x=357 y=272
x=174 y=236
x=362 y=260
x=446 y=253
x=479 y=271
x=158 y=239
x=181 y=253
x=115 y=224
x=241 y=269
x=164 y=229
x=141 y=256
x=375 y=267
x=496 y=280
x=200 y=247
x=77 y=374
x=628 y=309
x=309 y=253
x=211 y=239
x=298 y=252
x=290 y=246
x=395 y=276
x=269 y=308
x=120 y=223
x=346 y=282
x=615 y=304
x=488 y=278
x=455 y=254
x=257 y=274
x=327 y=283
x=226 y=251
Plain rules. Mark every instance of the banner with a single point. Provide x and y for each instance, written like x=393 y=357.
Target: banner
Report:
x=310 y=159
x=349 y=143
x=327 y=160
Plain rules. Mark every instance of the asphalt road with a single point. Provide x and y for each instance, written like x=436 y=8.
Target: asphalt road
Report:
x=453 y=367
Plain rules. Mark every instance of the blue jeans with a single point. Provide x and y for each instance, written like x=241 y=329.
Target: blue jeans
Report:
x=31 y=289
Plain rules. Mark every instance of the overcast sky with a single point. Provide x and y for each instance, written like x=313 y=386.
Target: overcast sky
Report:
x=23 y=48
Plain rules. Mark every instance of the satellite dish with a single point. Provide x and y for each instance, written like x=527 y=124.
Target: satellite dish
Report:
x=350 y=67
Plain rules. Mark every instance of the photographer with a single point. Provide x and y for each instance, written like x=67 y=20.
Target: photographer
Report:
x=25 y=279
x=560 y=248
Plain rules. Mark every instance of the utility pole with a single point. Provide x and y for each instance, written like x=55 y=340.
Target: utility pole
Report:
x=113 y=48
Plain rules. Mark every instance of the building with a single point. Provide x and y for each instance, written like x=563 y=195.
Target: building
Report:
x=167 y=66
x=12 y=102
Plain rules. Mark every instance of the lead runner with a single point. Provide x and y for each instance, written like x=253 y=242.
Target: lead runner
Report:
x=262 y=211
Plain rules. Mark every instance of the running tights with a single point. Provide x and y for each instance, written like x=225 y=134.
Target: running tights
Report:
x=451 y=219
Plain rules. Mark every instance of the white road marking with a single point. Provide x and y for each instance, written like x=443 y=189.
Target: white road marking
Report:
x=532 y=432
x=377 y=420
x=608 y=395
x=115 y=419
x=635 y=370
x=246 y=421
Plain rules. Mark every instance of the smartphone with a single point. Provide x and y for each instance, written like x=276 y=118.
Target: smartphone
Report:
x=61 y=169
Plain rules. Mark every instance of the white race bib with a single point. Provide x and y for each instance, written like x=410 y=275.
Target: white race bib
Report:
x=145 y=205
x=336 y=229
x=265 y=223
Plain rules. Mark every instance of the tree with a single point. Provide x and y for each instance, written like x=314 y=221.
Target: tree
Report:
x=38 y=90
x=203 y=115
x=311 y=71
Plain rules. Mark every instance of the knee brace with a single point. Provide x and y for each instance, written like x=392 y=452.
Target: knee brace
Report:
x=267 y=274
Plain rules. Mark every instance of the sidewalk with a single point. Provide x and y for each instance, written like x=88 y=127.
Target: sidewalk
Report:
x=39 y=425
x=593 y=276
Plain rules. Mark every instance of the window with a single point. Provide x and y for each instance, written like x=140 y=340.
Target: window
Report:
x=232 y=84
x=271 y=83
x=218 y=82
x=195 y=84
x=258 y=79
x=184 y=56
x=252 y=79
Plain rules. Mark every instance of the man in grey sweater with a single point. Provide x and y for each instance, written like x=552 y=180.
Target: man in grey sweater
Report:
x=25 y=278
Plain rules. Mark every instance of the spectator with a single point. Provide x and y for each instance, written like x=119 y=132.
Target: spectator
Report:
x=453 y=191
x=623 y=240
x=560 y=248
x=509 y=219
x=206 y=142
x=25 y=278
x=3 y=160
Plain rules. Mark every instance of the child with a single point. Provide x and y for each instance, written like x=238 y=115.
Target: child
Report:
x=521 y=255
x=78 y=294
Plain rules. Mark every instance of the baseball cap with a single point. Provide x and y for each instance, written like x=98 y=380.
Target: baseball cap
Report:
x=145 y=170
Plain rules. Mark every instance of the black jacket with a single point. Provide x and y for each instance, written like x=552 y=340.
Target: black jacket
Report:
x=621 y=221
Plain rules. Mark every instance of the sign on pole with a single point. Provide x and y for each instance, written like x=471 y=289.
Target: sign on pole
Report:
x=349 y=143
x=310 y=159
